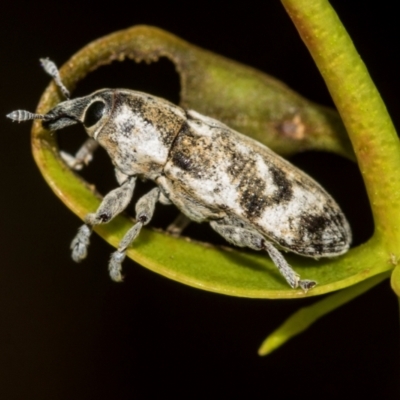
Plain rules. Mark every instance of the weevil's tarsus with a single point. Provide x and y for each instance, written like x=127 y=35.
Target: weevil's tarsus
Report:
x=307 y=284
x=80 y=243
x=144 y=213
x=51 y=69
x=116 y=259
x=115 y=265
x=82 y=157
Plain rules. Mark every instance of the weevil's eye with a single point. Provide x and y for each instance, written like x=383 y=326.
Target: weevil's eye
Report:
x=94 y=113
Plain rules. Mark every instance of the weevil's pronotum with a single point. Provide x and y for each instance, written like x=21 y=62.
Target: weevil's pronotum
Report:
x=247 y=193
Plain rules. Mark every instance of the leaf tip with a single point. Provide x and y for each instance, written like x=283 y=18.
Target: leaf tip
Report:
x=271 y=343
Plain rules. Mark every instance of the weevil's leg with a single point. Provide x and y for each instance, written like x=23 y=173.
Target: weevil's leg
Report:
x=114 y=203
x=243 y=237
x=82 y=157
x=292 y=277
x=144 y=212
x=178 y=225
x=120 y=176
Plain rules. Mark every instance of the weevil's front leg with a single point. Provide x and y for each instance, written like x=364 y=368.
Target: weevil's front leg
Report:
x=114 y=203
x=243 y=237
x=82 y=157
x=144 y=212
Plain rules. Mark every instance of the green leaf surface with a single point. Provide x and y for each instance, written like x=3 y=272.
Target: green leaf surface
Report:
x=206 y=78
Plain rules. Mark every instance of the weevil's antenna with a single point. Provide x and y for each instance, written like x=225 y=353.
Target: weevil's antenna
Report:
x=22 y=115
x=52 y=70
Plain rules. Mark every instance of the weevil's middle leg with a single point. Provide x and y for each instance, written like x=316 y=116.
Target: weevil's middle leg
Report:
x=243 y=237
x=82 y=157
x=177 y=226
x=114 y=203
x=144 y=212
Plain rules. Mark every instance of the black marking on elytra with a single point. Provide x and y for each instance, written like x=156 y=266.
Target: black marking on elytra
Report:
x=315 y=227
x=251 y=199
x=339 y=220
x=243 y=173
x=314 y=224
x=239 y=164
x=284 y=192
x=321 y=248
x=181 y=160
x=188 y=154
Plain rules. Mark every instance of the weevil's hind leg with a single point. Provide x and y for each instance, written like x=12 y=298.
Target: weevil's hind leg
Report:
x=292 y=277
x=243 y=237
x=144 y=212
x=82 y=157
x=114 y=203
x=178 y=225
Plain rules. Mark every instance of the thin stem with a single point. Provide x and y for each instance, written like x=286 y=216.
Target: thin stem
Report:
x=364 y=114
x=305 y=317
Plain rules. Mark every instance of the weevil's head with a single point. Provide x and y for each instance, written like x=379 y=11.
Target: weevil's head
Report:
x=136 y=129
x=91 y=111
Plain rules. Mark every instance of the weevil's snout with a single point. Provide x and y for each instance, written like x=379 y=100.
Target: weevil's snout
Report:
x=65 y=114
x=91 y=111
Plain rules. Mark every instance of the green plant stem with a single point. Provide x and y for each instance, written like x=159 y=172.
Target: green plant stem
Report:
x=395 y=278
x=364 y=114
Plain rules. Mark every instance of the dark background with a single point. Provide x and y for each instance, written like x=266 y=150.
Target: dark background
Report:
x=68 y=332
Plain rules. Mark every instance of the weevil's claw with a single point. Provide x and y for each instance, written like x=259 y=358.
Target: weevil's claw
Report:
x=307 y=284
x=115 y=266
x=80 y=243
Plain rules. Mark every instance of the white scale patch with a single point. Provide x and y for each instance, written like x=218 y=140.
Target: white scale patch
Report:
x=144 y=138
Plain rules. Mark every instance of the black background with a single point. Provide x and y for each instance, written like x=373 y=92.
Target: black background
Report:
x=68 y=332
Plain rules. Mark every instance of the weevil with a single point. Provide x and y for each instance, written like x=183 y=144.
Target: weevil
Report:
x=248 y=194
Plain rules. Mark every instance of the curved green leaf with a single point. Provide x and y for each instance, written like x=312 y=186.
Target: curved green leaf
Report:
x=395 y=278
x=202 y=73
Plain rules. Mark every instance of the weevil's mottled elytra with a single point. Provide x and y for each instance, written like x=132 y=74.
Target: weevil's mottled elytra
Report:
x=248 y=194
